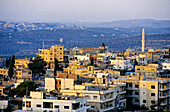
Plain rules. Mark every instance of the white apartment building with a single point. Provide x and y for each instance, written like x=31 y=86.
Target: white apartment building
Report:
x=102 y=98
x=39 y=102
x=120 y=64
x=166 y=66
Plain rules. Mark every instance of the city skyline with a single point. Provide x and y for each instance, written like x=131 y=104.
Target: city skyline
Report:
x=84 y=10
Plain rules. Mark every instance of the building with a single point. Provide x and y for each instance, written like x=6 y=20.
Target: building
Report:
x=121 y=64
x=148 y=72
x=150 y=93
x=40 y=101
x=102 y=97
x=23 y=74
x=50 y=54
x=4 y=72
x=22 y=63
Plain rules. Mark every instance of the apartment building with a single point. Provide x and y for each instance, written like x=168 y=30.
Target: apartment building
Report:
x=4 y=72
x=23 y=74
x=21 y=63
x=102 y=98
x=40 y=101
x=149 y=72
x=121 y=64
x=50 y=54
x=151 y=93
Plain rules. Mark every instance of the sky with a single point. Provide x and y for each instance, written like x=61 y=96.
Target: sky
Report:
x=83 y=10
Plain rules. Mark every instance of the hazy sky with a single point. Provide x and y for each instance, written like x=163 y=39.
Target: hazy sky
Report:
x=83 y=10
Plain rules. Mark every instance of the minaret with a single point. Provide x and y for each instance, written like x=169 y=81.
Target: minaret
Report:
x=143 y=40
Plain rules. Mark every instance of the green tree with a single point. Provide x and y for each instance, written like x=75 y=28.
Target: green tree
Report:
x=11 y=67
x=7 y=62
x=92 y=61
x=103 y=45
x=37 y=66
x=56 y=66
x=24 y=88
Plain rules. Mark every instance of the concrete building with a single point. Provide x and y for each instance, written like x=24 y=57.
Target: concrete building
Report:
x=23 y=74
x=50 y=54
x=121 y=64
x=102 y=98
x=150 y=93
x=166 y=66
x=21 y=63
x=39 y=101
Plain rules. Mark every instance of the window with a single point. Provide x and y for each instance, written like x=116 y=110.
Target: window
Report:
x=28 y=103
x=92 y=106
x=136 y=100
x=152 y=94
x=130 y=85
x=143 y=85
x=144 y=101
x=56 y=106
x=47 y=104
x=143 y=92
x=95 y=97
x=152 y=87
x=60 y=48
x=136 y=93
x=153 y=101
x=50 y=58
x=66 y=107
x=75 y=106
x=136 y=86
x=38 y=105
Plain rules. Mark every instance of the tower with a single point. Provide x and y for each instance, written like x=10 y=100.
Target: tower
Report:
x=143 y=40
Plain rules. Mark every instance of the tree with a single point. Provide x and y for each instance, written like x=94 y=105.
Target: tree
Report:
x=7 y=62
x=103 y=45
x=92 y=61
x=37 y=66
x=11 y=67
x=23 y=89
x=56 y=66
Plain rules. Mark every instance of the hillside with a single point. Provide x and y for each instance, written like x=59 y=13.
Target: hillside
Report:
x=26 y=43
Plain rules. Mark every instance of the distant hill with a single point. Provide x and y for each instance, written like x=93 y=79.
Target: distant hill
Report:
x=26 y=43
x=129 y=23
x=26 y=26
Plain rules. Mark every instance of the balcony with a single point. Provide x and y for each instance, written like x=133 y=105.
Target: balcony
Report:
x=163 y=89
x=135 y=96
x=107 y=109
x=130 y=88
x=163 y=96
x=163 y=104
x=122 y=92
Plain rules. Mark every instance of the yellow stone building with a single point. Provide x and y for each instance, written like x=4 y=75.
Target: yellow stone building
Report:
x=4 y=72
x=50 y=54
x=22 y=63
x=146 y=71
x=23 y=74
